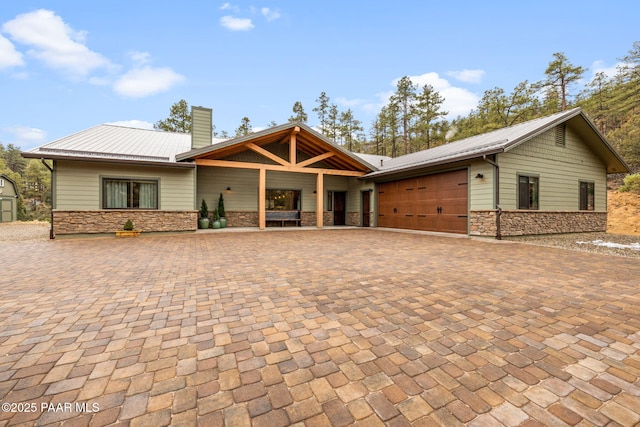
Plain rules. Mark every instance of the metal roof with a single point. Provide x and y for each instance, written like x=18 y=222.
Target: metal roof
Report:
x=501 y=140
x=117 y=143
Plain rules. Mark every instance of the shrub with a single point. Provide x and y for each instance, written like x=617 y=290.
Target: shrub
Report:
x=128 y=226
x=221 y=211
x=631 y=183
x=204 y=210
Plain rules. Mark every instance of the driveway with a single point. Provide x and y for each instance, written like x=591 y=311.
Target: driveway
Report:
x=332 y=327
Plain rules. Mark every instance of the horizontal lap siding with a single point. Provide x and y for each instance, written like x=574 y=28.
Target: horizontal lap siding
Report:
x=78 y=185
x=243 y=183
x=481 y=190
x=560 y=170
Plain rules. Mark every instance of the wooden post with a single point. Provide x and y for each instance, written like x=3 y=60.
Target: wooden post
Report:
x=320 y=200
x=293 y=146
x=262 y=195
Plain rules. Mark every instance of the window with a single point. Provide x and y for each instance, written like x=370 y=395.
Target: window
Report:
x=527 y=192
x=587 y=193
x=561 y=132
x=283 y=200
x=129 y=194
x=329 y=201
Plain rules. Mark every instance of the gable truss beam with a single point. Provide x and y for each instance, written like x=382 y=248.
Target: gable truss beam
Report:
x=315 y=159
x=269 y=155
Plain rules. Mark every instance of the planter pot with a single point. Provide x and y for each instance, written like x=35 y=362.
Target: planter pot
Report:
x=203 y=223
x=216 y=224
x=223 y=222
x=128 y=233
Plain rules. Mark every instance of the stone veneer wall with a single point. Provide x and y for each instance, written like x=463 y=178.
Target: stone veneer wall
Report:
x=353 y=218
x=108 y=221
x=521 y=223
x=241 y=218
x=250 y=218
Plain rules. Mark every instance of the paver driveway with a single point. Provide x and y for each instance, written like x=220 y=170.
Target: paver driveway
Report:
x=314 y=328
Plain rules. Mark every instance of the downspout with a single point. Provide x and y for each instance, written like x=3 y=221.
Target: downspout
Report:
x=51 y=234
x=496 y=174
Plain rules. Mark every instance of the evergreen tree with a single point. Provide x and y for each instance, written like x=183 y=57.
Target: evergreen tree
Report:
x=323 y=111
x=404 y=97
x=333 y=118
x=298 y=113
x=179 y=119
x=561 y=74
x=429 y=114
x=244 y=128
x=349 y=128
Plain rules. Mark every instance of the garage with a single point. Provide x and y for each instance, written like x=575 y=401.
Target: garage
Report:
x=437 y=202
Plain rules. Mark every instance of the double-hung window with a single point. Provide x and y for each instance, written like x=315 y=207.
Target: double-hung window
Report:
x=587 y=196
x=528 y=191
x=118 y=193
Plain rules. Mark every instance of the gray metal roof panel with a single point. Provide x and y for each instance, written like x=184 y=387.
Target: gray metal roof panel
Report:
x=475 y=146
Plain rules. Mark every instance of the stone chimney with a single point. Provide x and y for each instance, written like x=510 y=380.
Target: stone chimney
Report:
x=201 y=127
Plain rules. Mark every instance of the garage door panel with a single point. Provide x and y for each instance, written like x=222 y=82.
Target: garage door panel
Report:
x=437 y=202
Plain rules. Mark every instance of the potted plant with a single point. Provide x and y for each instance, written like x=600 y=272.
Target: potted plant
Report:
x=223 y=219
x=203 y=221
x=216 y=219
x=128 y=230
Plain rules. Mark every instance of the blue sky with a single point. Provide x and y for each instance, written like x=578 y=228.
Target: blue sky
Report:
x=69 y=65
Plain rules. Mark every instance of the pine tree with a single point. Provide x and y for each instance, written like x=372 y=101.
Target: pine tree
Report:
x=245 y=127
x=179 y=119
x=323 y=111
x=298 y=113
x=561 y=74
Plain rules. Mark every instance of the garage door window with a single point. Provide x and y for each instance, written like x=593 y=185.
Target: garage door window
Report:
x=528 y=192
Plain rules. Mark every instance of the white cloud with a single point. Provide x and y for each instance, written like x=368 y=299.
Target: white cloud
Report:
x=229 y=6
x=27 y=134
x=349 y=102
x=269 y=14
x=9 y=56
x=138 y=124
x=55 y=43
x=457 y=101
x=236 y=24
x=467 y=76
x=141 y=82
x=600 y=67
x=140 y=58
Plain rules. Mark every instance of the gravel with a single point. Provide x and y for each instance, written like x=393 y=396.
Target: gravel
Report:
x=24 y=231
x=603 y=243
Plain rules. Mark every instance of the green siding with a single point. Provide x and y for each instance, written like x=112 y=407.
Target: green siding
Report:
x=201 y=127
x=481 y=190
x=560 y=169
x=243 y=183
x=78 y=184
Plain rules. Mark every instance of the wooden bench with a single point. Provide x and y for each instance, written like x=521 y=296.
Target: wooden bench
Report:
x=283 y=217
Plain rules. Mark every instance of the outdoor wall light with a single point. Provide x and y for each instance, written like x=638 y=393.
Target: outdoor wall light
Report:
x=479 y=176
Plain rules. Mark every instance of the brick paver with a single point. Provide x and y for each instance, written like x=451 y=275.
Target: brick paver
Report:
x=330 y=327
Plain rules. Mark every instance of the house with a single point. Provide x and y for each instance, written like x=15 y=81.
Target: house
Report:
x=547 y=175
x=8 y=199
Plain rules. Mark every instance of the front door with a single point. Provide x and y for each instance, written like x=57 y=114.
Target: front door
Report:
x=339 y=207
x=366 y=208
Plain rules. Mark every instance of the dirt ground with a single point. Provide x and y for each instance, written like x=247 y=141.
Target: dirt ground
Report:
x=624 y=213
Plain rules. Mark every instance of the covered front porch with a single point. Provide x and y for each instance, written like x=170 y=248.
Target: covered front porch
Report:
x=288 y=168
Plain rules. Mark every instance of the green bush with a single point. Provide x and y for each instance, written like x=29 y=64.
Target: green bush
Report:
x=631 y=183
x=128 y=226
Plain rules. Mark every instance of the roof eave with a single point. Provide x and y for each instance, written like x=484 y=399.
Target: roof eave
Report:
x=36 y=155
x=402 y=170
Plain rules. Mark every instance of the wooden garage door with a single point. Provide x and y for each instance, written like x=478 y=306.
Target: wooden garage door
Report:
x=436 y=202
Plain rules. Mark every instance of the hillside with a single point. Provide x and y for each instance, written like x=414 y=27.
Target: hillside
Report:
x=624 y=213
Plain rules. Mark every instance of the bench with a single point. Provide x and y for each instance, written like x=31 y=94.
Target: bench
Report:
x=283 y=217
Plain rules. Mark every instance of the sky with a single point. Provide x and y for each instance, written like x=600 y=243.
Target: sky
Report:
x=68 y=65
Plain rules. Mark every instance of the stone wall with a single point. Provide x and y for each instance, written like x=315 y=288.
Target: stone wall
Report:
x=353 y=218
x=108 y=221
x=520 y=223
x=241 y=218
